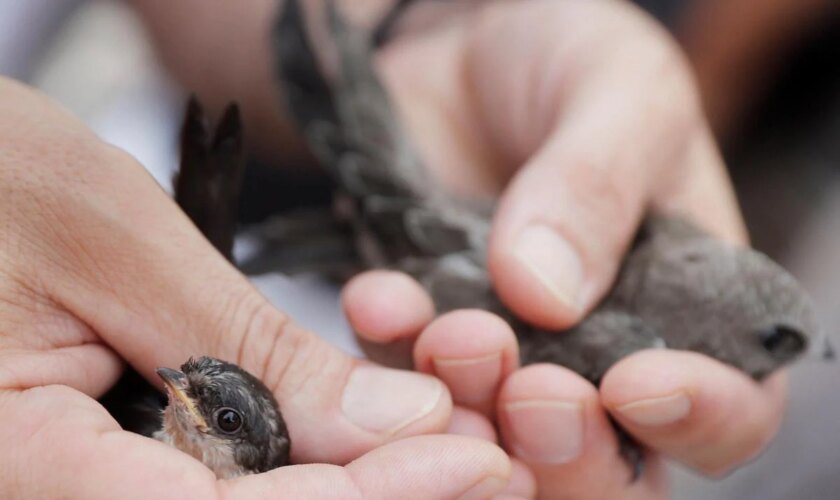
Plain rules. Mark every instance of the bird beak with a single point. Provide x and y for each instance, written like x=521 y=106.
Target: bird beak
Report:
x=176 y=385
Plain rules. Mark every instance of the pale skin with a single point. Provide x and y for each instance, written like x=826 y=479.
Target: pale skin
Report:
x=99 y=266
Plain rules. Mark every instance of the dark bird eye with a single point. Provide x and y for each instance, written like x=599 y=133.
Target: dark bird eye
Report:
x=228 y=420
x=782 y=341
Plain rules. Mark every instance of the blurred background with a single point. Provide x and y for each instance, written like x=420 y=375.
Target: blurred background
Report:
x=769 y=72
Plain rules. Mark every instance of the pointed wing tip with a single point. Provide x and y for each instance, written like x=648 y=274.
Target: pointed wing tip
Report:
x=232 y=117
x=194 y=127
x=230 y=129
x=194 y=112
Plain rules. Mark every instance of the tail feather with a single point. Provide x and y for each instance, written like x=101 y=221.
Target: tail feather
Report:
x=209 y=181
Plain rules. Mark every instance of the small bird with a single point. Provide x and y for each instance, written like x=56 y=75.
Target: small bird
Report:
x=678 y=287
x=216 y=411
x=224 y=417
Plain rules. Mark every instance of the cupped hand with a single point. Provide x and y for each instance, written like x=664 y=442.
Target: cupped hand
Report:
x=585 y=117
x=99 y=267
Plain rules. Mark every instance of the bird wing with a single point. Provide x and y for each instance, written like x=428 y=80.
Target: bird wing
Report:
x=348 y=123
x=399 y=213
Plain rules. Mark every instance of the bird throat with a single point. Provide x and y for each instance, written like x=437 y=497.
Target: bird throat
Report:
x=217 y=454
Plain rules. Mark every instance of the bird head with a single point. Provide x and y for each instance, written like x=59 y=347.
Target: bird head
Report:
x=223 y=416
x=709 y=287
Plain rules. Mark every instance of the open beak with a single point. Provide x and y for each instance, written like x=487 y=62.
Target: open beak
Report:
x=176 y=385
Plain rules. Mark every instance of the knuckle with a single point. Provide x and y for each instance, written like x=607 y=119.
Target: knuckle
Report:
x=606 y=199
x=283 y=355
x=245 y=326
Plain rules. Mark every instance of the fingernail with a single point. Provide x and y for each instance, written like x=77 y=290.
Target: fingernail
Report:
x=552 y=261
x=549 y=432
x=384 y=401
x=657 y=411
x=485 y=488
x=468 y=377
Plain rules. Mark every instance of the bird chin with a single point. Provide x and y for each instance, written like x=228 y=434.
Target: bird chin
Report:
x=215 y=454
x=179 y=425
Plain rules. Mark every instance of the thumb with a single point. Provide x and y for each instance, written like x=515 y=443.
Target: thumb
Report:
x=565 y=222
x=569 y=214
x=62 y=444
x=421 y=467
x=133 y=268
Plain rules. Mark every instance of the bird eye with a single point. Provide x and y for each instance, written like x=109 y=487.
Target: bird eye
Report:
x=228 y=420
x=782 y=341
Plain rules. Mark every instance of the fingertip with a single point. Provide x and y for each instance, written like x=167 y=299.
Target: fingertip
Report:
x=654 y=373
x=546 y=380
x=538 y=276
x=466 y=422
x=472 y=351
x=441 y=466
x=421 y=467
x=551 y=418
x=385 y=306
x=559 y=234
x=466 y=335
x=643 y=373
x=523 y=484
x=704 y=413
x=542 y=410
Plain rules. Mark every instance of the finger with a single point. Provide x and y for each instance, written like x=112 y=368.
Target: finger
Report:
x=589 y=171
x=522 y=484
x=471 y=423
x=467 y=422
x=89 y=368
x=705 y=178
x=422 y=467
x=387 y=310
x=552 y=419
x=385 y=306
x=67 y=446
x=695 y=409
x=471 y=351
x=134 y=269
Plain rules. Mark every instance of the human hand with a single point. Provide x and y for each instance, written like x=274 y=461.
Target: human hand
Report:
x=98 y=266
x=589 y=112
